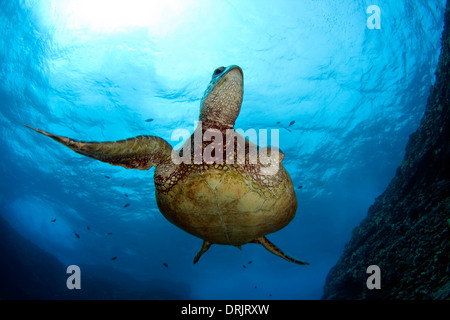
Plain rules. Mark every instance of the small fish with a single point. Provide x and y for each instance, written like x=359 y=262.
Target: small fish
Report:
x=123 y=184
x=76 y=235
x=270 y=294
x=165 y=264
x=243 y=266
x=113 y=258
x=149 y=120
x=299 y=187
x=125 y=195
x=127 y=205
x=278 y=122
x=107 y=177
x=250 y=262
x=108 y=234
x=87 y=227
x=53 y=220
x=256 y=287
x=292 y=122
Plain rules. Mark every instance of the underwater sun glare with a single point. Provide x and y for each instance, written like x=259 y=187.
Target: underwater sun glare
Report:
x=114 y=15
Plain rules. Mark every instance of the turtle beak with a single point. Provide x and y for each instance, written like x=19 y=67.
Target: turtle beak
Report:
x=234 y=67
x=220 y=73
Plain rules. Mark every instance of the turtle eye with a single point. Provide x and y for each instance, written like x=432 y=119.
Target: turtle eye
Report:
x=218 y=71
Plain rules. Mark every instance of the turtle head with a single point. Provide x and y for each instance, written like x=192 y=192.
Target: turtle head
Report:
x=222 y=100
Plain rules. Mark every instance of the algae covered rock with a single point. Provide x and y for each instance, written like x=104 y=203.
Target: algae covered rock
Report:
x=407 y=230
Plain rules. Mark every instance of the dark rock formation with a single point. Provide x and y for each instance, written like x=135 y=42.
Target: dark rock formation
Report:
x=29 y=273
x=406 y=232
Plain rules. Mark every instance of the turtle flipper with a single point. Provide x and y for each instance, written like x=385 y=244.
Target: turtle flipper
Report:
x=205 y=246
x=275 y=250
x=142 y=152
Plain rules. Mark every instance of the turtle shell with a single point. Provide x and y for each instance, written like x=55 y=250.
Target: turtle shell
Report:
x=225 y=204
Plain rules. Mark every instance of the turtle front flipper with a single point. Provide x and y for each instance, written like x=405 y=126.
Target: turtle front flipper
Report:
x=275 y=250
x=142 y=152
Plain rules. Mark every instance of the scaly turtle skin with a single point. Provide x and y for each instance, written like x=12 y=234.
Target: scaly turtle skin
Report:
x=230 y=200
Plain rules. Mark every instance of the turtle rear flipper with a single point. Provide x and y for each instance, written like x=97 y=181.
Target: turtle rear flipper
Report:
x=142 y=152
x=275 y=250
x=205 y=246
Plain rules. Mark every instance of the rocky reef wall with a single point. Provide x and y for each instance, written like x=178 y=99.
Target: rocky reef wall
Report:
x=407 y=230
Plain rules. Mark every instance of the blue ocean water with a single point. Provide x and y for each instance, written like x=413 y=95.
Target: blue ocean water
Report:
x=97 y=70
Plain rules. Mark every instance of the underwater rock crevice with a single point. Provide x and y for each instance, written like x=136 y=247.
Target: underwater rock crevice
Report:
x=407 y=230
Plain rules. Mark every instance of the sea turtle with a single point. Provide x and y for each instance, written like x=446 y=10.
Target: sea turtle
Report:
x=227 y=199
